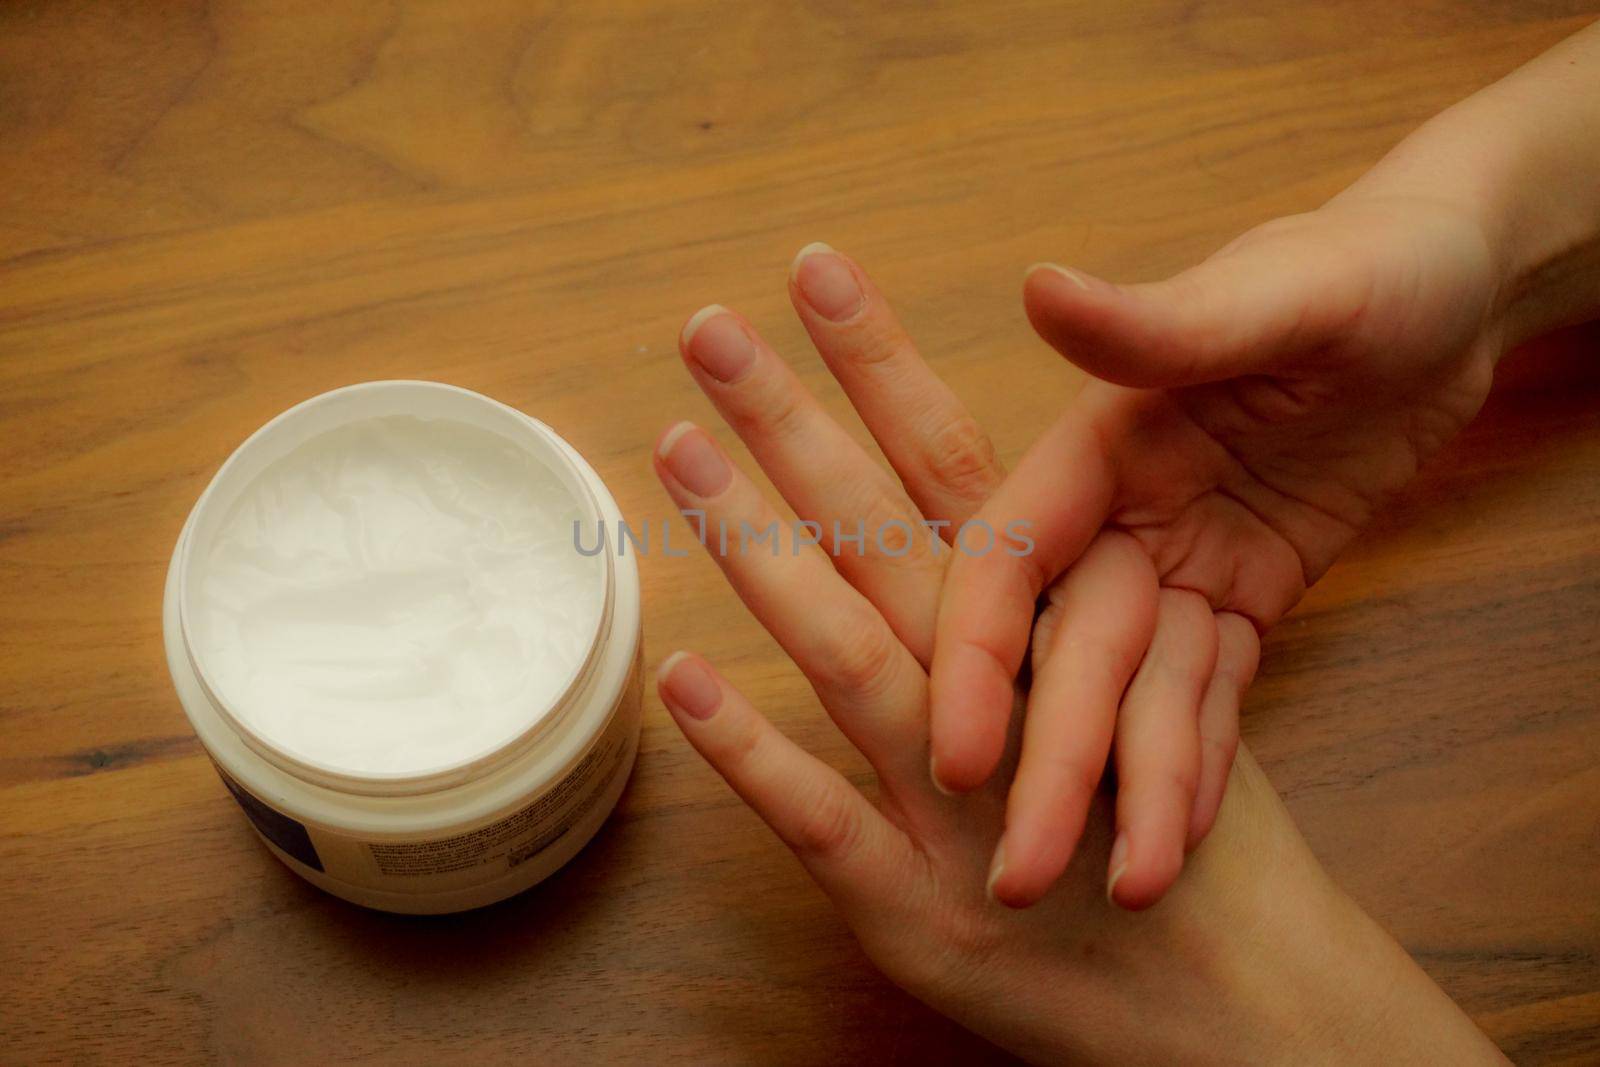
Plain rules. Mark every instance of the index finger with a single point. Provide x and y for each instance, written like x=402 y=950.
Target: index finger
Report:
x=1040 y=520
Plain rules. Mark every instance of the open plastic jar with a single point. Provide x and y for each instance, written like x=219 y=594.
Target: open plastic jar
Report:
x=399 y=631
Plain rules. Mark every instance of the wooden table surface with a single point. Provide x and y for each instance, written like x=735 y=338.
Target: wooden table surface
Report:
x=214 y=210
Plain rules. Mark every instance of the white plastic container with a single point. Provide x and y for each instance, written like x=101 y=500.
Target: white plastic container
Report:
x=482 y=823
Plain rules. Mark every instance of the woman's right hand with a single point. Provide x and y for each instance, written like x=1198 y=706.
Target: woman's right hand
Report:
x=1245 y=419
x=1248 y=416
x=1253 y=956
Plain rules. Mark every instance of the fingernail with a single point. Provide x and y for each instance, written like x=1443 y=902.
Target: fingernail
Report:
x=933 y=772
x=1072 y=276
x=717 y=342
x=1118 y=864
x=694 y=461
x=688 y=686
x=997 y=867
x=827 y=282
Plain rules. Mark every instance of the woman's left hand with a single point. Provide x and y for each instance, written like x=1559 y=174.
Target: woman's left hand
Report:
x=1251 y=949
x=1176 y=722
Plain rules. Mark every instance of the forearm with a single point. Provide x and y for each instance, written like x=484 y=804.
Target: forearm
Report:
x=1522 y=156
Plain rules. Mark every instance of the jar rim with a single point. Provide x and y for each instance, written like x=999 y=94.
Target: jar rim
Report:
x=321 y=414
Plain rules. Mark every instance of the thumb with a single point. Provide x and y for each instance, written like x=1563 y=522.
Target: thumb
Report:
x=1235 y=314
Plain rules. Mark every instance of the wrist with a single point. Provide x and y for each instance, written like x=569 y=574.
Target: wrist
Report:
x=1254 y=956
x=1319 y=980
x=1543 y=234
x=1518 y=160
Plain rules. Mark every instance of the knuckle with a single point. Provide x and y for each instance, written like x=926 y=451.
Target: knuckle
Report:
x=1160 y=792
x=776 y=411
x=1076 y=778
x=960 y=456
x=738 y=751
x=829 y=828
x=860 y=658
x=871 y=342
x=893 y=534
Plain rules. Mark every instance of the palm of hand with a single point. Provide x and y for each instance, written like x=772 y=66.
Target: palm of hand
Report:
x=1367 y=350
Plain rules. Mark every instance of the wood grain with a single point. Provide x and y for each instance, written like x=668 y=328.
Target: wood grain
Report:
x=214 y=210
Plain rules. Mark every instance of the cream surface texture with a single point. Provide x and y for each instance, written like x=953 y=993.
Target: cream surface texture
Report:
x=396 y=596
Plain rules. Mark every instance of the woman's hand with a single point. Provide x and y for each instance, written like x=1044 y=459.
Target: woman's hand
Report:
x=1247 y=418
x=1255 y=955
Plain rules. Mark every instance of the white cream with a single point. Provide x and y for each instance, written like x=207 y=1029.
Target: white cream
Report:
x=397 y=595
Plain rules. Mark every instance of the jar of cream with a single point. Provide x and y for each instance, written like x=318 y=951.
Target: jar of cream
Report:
x=397 y=629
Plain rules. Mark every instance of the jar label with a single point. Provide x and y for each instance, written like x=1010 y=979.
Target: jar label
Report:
x=518 y=836
x=474 y=866
x=288 y=834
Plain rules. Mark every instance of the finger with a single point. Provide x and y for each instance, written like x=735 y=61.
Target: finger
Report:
x=1238 y=650
x=1158 y=750
x=870 y=684
x=845 y=844
x=943 y=457
x=1229 y=316
x=868 y=525
x=1041 y=517
x=1108 y=608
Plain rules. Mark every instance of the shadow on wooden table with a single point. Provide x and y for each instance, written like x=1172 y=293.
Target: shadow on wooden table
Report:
x=702 y=963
